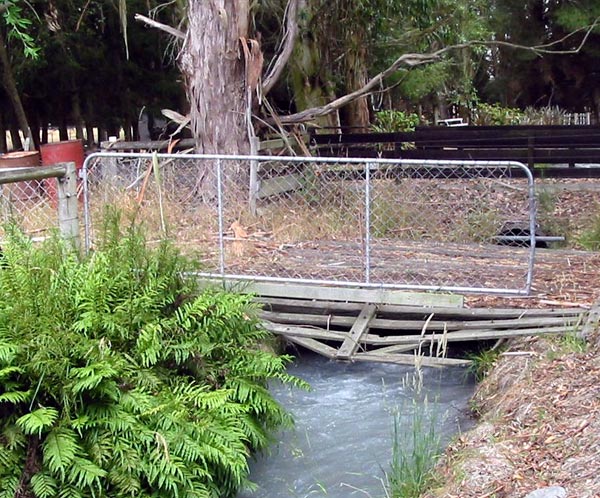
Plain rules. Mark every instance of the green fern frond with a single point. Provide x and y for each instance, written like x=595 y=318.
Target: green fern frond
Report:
x=43 y=485
x=15 y=397
x=84 y=473
x=8 y=351
x=9 y=486
x=59 y=449
x=37 y=421
x=69 y=491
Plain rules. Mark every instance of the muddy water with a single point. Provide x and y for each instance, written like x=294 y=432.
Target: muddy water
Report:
x=341 y=445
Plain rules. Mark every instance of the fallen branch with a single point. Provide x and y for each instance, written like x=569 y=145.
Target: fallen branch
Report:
x=287 y=46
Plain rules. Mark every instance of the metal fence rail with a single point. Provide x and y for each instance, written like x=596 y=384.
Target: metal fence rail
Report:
x=431 y=225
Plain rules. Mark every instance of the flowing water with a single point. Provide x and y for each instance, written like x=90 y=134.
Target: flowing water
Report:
x=341 y=444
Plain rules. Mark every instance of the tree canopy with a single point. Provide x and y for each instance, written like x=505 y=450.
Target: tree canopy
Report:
x=87 y=63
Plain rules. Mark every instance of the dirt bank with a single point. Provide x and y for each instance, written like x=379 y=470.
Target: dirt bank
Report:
x=539 y=425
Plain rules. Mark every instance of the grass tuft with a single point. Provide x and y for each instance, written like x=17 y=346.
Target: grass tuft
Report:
x=416 y=448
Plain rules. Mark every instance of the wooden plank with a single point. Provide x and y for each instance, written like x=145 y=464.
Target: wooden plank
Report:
x=400 y=324
x=279 y=185
x=313 y=345
x=12 y=175
x=415 y=339
x=278 y=143
x=398 y=348
x=414 y=360
x=313 y=333
x=360 y=327
x=465 y=335
x=328 y=293
x=405 y=311
x=185 y=143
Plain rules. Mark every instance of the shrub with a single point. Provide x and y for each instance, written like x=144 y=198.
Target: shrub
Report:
x=118 y=379
x=392 y=121
x=497 y=115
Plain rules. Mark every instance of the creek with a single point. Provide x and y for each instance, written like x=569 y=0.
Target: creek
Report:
x=341 y=444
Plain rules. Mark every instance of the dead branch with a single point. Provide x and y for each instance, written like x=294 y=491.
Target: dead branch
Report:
x=158 y=25
x=412 y=60
x=287 y=46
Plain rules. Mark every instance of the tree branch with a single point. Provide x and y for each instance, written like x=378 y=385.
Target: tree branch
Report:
x=158 y=25
x=287 y=46
x=412 y=60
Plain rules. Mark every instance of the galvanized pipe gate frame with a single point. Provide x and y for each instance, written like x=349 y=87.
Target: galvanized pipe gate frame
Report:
x=368 y=170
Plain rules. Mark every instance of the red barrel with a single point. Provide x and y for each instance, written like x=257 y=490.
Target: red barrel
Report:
x=21 y=190
x=68 y=151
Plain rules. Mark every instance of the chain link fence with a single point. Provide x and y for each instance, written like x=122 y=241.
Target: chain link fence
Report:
x=31 y=205
x=431 y=225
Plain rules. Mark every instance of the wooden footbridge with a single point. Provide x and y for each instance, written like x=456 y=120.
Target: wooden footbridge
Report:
x=398 y=327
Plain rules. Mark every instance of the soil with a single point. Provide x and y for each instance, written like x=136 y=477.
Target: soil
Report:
x=538 y=409
x=539 y=425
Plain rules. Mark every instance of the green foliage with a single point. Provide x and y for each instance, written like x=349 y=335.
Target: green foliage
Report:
x=497 y=115
x=590 y=238
x=18 y=27
x=548 y=115
x=416 y=448
x=117 y=378
x=391 y=121
x=482 y=362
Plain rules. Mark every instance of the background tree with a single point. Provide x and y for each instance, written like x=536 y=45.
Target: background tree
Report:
x=521 y=79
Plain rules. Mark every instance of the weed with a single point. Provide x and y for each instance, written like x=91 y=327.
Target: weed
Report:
x=590 y=238
x=566 y=344
x=416 y=448
x=482 y=362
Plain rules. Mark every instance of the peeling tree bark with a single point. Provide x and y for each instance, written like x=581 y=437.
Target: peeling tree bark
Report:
x=213 y=67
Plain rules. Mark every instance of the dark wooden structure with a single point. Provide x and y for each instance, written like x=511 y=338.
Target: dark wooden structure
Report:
x=549 y=151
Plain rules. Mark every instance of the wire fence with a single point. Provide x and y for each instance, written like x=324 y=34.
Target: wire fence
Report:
x=431 y=225
x=39 y=200
x=30 y=205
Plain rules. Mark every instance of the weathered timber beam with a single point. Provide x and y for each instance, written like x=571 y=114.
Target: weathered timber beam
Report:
x=313 y=345
x=327 y=306
x=414 y=360
x=303 y=319
x=360 y=327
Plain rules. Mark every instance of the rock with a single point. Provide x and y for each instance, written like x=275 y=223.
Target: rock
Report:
x=551 y=492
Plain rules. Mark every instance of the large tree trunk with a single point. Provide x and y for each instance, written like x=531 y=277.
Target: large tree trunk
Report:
x=213 y=66
x=357 y=112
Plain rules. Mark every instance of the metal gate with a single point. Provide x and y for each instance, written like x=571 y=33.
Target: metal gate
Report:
x=462 y=226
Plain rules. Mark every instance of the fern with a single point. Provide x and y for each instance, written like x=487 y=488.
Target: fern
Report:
x=37 y=421
x=60 y=448
x=118 y=378
x=43 y=485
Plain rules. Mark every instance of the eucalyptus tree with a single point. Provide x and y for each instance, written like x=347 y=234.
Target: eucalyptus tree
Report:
x=329 y=49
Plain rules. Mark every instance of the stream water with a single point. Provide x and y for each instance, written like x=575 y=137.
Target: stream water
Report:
x=341 y=444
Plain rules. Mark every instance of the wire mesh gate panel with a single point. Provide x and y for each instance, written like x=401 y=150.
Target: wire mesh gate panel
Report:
x=30 y=205
x=431 y=225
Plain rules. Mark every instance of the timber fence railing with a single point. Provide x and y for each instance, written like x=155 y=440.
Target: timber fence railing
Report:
x=41 y=199
x=429 y=225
